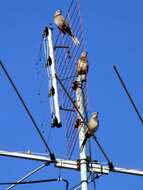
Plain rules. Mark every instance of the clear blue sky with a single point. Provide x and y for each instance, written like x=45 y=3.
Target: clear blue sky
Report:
x=113 y=35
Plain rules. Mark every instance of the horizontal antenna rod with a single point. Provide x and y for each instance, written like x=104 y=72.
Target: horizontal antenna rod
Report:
x=60 y=163
x=94 y=167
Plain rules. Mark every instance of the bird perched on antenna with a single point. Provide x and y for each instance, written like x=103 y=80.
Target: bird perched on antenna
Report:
x=93 y=125
x=82 y=66
x=64 y=26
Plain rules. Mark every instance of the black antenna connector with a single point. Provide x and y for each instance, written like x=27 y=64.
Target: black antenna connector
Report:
x=52 y=156
x=77 y=123
x=75 y=85
x=49 y=61
x=46 y=31
x=55 y=123
x=111 y=166
x=52 y=92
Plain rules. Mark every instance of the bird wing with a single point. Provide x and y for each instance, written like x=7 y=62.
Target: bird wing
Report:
x=85 y=67
x=62 y=24
x=79 y=66
x=67 y=28
x=82 y=67
x=92 y=126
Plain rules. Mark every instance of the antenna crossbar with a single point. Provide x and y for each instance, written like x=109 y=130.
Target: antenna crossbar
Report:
x=94 y=167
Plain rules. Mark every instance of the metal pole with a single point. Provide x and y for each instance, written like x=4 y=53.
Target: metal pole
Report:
x=83 y=158
x=130 y=171
x=60 y=163
x=73 y=164
x=51 y=68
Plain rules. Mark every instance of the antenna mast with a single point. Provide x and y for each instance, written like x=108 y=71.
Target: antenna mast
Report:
x=83 y=157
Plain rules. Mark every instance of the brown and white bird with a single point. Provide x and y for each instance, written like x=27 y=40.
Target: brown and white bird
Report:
x=93 y=125
x=82 y=65
x=64 y=26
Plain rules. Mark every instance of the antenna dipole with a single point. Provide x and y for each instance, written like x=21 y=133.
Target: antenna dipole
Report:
x=51 y=72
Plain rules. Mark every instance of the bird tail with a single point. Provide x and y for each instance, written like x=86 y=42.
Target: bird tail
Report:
x=83 y=144
x=75 y=40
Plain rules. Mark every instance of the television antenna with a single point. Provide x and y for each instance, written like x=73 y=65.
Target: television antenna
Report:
x=64 y=52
